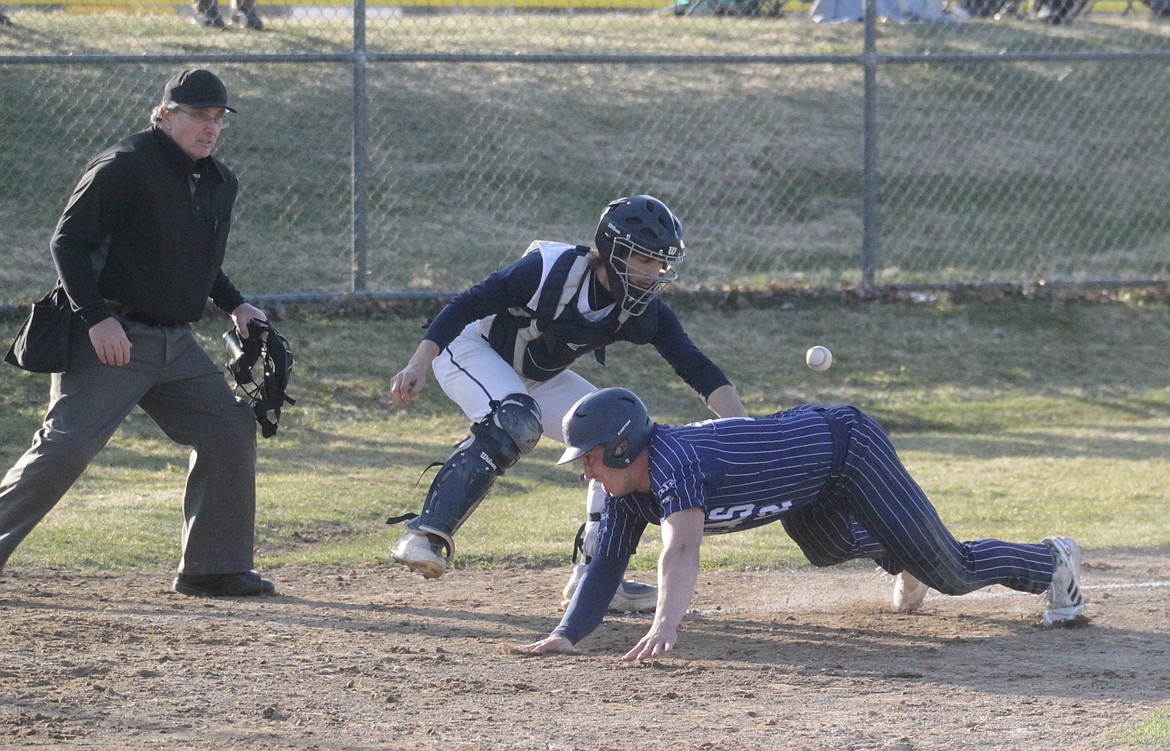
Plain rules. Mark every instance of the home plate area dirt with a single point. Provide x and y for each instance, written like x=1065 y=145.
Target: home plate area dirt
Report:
x=380 y=659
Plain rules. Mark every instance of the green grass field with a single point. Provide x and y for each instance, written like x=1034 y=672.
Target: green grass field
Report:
x=1020 y=419
x=1017 y=417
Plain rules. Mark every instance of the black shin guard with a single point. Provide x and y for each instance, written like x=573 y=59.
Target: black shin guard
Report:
x=509 y=431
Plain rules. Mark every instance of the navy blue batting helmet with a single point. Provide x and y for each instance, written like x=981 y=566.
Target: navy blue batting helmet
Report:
x=613 y=417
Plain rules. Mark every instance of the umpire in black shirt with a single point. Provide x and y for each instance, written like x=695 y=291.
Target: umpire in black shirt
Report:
x=139 y=251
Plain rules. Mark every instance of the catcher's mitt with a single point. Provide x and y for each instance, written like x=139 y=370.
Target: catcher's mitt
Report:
x=264 y=343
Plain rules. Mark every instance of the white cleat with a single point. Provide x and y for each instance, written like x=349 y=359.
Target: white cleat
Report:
x=908 y=593
x=1063 y=601
x=631 y=596
x=420 y=554
x=634 y=597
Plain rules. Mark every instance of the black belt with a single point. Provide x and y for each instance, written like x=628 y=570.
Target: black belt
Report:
x=137 y=316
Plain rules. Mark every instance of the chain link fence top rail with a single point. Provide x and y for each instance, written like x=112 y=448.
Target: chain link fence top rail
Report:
x=1002 y=148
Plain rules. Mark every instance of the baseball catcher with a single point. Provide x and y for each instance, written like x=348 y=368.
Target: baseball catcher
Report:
x=503 y=351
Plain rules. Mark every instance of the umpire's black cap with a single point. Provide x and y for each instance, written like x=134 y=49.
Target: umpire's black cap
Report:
x=198 y=88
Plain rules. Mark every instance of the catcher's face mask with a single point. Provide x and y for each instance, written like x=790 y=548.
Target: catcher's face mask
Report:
x=264 y=344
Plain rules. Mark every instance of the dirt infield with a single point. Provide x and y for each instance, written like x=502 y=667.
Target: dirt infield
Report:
x=378 y=659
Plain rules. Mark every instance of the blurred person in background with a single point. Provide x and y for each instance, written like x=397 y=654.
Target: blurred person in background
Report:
x=243 y=13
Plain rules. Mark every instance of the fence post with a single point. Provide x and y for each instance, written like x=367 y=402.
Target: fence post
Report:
x=869 y=149
x=360 y=196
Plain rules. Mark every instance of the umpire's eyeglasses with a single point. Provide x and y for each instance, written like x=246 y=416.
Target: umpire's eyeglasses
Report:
x=221 y=121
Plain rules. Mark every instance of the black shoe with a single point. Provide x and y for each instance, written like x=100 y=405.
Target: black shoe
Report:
x=249 y=19
x=247 y=584
x=212 y=20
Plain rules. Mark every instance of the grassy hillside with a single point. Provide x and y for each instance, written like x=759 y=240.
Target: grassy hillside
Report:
x=987 y=171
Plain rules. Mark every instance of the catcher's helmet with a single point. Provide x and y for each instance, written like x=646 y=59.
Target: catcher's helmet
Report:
x=638 y=224
x=266 y=397
x=613 y=417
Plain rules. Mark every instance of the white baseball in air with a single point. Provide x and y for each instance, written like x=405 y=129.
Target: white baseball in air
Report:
x=818 y=358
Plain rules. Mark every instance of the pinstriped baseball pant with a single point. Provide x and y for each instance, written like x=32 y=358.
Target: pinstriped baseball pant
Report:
x=874 y=509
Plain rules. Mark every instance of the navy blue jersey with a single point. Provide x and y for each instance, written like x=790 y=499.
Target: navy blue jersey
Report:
x=520 y=283
x=742 y=471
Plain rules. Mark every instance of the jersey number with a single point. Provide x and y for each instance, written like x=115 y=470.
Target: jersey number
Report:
x=731 y=516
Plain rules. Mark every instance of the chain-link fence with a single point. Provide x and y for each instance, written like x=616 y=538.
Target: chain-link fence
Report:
x=412 y=146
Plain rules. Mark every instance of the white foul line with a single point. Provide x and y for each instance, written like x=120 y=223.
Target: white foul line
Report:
x=1131 y=585
x=1001 y=591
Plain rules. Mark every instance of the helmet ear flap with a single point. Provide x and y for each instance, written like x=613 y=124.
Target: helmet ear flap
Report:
x=619 y=452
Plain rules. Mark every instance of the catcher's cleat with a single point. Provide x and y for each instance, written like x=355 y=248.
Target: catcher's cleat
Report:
x=908 y=593
x=421 y=553
x=1063 y=601
x=631 y=596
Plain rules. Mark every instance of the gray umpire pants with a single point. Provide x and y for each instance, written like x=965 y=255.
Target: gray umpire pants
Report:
x=173 y=380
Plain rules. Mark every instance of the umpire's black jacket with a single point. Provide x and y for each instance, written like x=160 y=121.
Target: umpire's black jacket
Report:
x=147 y=228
